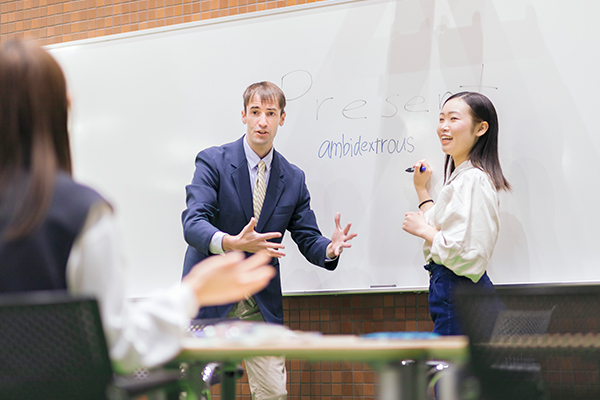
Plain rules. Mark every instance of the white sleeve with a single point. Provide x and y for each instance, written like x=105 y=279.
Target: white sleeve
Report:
x=143 y=333
x=468 y=227
x=216 y=243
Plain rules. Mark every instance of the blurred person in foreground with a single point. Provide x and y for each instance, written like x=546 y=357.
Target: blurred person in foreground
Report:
x=56 y=234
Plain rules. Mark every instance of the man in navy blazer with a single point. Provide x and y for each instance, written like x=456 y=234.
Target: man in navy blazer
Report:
x=220 y=218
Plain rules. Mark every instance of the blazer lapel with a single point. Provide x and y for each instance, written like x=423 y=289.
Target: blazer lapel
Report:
x=274 y=191
x=241 y=180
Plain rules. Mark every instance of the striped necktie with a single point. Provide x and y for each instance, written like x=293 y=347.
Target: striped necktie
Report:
x=258 y=197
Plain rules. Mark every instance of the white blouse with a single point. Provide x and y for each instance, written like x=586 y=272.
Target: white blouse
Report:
x=139 y=334
x=467 y=217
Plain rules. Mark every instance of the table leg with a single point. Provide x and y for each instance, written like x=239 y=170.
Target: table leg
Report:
x=228 y=379
x=405 y=380
x=448 y=383
x=194 y=383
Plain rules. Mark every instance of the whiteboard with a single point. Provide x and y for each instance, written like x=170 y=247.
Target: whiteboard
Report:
x=364 y=80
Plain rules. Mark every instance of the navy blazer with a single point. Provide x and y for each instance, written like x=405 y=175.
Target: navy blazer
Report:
x=220 y=199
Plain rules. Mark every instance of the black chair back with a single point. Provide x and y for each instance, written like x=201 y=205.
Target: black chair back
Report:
x=534 y=342
x=52 y=347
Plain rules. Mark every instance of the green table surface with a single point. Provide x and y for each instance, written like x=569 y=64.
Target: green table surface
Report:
x=314 y=347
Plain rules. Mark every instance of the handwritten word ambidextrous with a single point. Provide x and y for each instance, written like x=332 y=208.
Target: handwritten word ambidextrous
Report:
x=347 y=147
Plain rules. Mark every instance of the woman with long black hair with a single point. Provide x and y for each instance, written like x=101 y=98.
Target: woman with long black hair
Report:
x=460 y=229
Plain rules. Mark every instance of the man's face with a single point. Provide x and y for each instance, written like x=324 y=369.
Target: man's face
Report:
x=262 y=120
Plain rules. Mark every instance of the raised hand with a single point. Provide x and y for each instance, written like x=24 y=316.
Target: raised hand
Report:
x=228 y=278
x=252 y=242
x=340 y=238
x=415 y=224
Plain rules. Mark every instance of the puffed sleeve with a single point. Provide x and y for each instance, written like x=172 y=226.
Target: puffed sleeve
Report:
x=468 y=225
x=142 y=333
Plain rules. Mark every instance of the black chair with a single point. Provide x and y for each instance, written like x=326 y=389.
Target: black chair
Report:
x=533 y=342
x=52 y=346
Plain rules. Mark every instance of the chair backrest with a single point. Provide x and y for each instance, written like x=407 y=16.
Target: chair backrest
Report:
x=522 y=322
x=523 y=340
x=52 y=347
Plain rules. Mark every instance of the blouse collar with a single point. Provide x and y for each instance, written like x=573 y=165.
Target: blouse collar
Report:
x=462 y=167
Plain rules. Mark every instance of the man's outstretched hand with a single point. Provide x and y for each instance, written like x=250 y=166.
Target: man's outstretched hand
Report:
x=250 y=241
x=339 y=239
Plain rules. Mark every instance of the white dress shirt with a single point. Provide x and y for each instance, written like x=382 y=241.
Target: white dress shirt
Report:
x=467 y=217
x=145 y=333
x=216 y=242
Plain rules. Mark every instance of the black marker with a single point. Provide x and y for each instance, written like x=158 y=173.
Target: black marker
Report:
x=411 y=169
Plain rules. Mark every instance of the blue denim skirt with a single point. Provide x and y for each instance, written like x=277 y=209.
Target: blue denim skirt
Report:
x=442 y=284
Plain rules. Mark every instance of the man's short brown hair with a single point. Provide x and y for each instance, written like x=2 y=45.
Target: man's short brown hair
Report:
x=266 y=91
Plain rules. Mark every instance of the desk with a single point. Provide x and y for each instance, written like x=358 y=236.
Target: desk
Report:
x=398 y=380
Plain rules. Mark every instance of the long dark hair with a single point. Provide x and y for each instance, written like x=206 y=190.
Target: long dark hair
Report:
x=484 y=153
x=34 y=141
